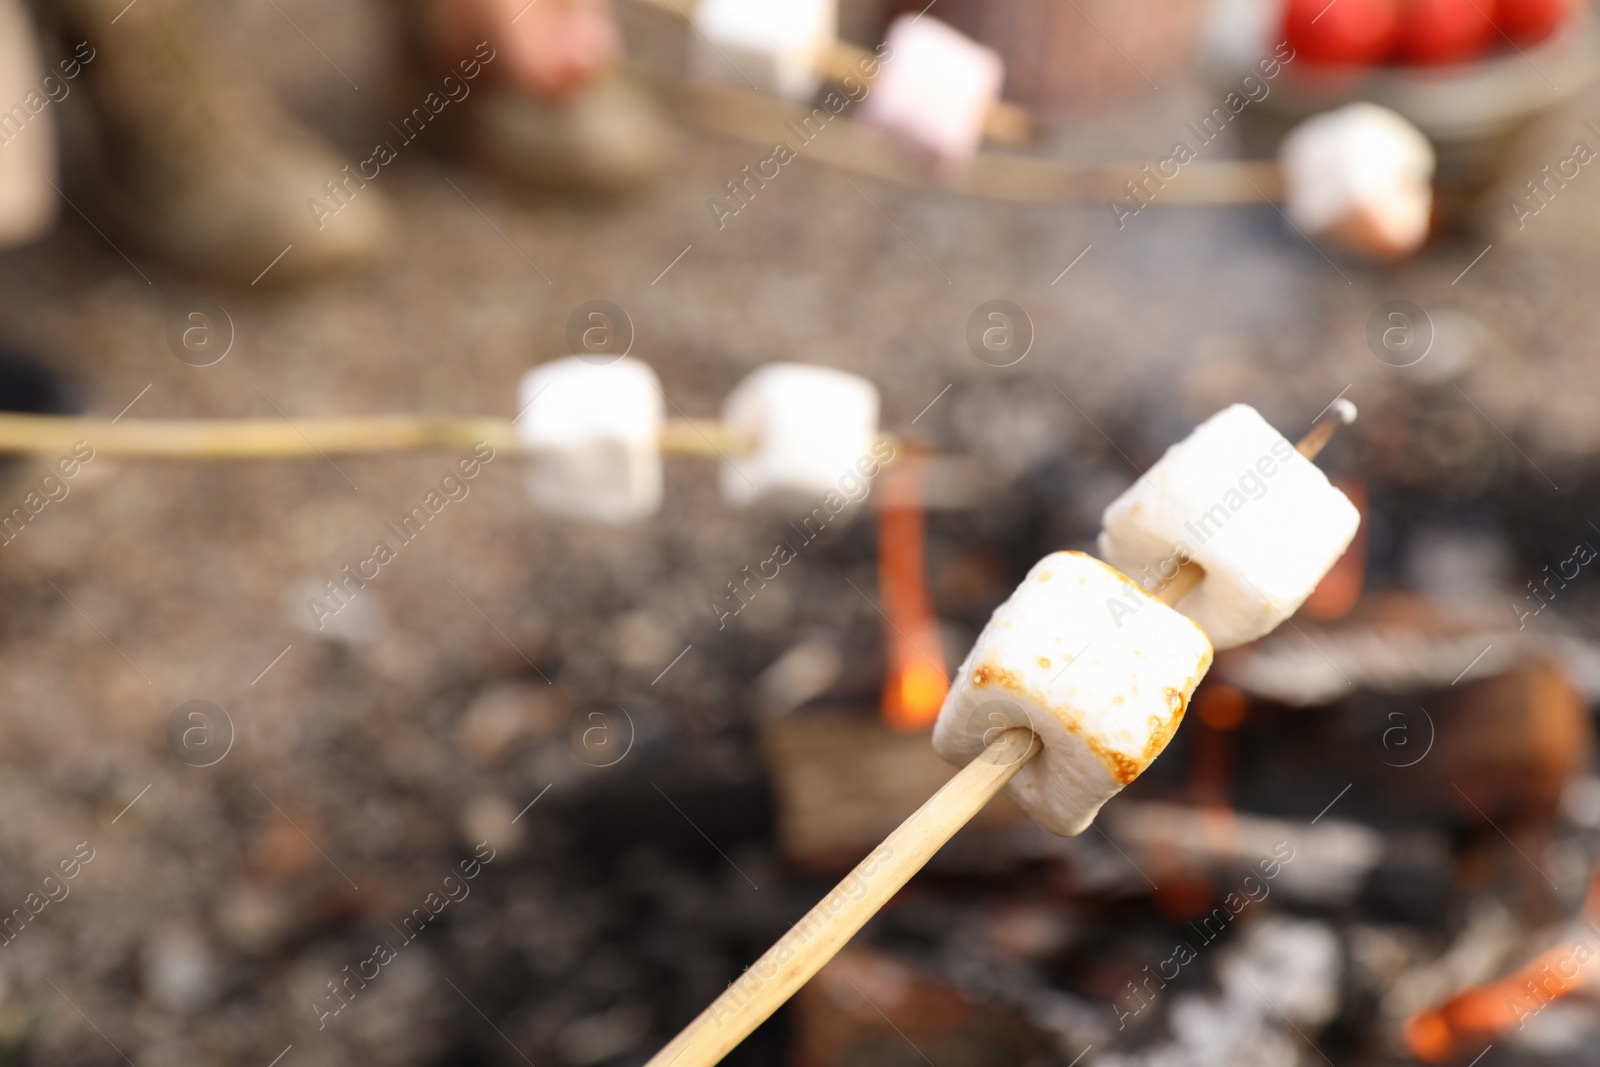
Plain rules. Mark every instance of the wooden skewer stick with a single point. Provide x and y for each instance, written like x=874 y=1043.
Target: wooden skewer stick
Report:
x=826 y=928
x=1340 y=413
x=249 y=438
x=281 y=439
x=1004 y=177
x=234 y=439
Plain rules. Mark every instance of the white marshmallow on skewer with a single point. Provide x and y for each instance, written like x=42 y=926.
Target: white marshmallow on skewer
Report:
x=1261 y=519
x=1100 y=670
x=1361 y=176
x=778 y=45
x=593 y=433
x=933 y=90
x=812 y=427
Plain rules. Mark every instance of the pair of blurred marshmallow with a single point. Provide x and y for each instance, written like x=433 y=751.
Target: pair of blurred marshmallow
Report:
x=593 y=432
x=930 y=86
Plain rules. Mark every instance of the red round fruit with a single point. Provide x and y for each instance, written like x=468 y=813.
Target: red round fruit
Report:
x=1342 y=32
x=1440 y=32
x=1531 y=21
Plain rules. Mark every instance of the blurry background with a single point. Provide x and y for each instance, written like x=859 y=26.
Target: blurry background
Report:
x=662 y=789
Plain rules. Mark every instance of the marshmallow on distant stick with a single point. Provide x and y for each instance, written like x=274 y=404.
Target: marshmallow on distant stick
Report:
x=28 y=164
x=933 y=90
x=1099 y=669
x=815 y=431
x=1236 y=497
x=1361 y=176
x=593 y=432
x=778 y=45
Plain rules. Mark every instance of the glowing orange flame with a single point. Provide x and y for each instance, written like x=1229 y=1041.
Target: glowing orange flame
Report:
x=922 y=691
x=916 y=683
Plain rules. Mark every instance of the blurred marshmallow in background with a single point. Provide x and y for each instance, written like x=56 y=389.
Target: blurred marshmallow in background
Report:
x=815 y=431
x=1362 y=177
x=775 y=46
x=594 y=435
x=1237 y=33
x=1477 y=97
x=933 y=90
x=27 y=131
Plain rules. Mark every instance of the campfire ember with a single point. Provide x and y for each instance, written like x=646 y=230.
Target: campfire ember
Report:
x=1485 y=1013
x=916 y=681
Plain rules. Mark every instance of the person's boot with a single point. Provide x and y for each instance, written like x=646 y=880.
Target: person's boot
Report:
x=198 y=164
x=28 y=203
x=605 y=139
x=551 y=107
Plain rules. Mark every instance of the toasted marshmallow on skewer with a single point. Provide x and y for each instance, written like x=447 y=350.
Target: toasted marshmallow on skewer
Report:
x=814 y=431
x=776 y=45
x=1361 y=176
x=1103 y=691
x=933 y=90
x=1076 y=684
x=1236 y=497
x=594 y=435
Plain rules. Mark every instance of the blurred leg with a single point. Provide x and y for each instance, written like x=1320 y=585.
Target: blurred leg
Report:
x=552 y=108
x=550 y=47
x=196 y=162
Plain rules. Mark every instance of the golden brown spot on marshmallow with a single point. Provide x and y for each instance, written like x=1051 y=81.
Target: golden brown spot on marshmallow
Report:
x=1122 y=768
x=1044 y=576
x=1161 y=731
x=988 y=674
